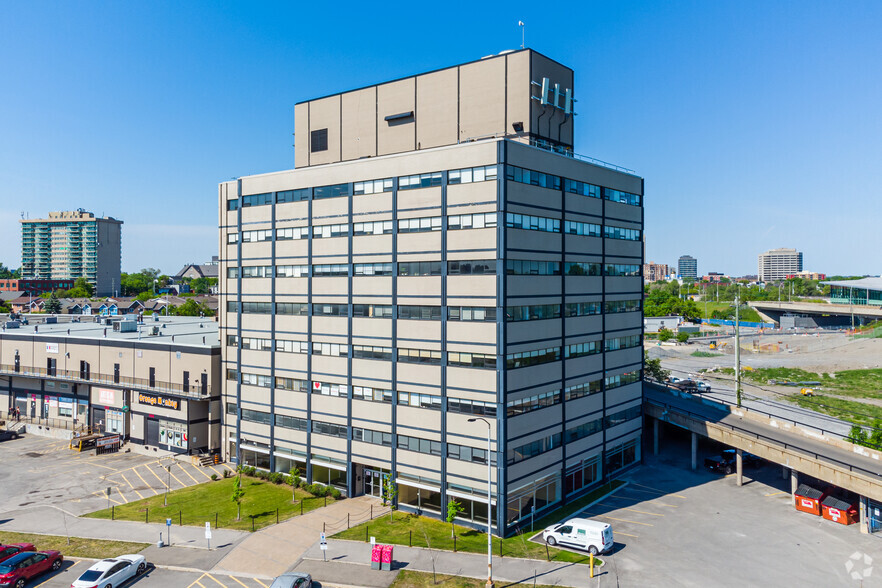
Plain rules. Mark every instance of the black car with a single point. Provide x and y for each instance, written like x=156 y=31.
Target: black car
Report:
x=748 y=460
x=725 y=463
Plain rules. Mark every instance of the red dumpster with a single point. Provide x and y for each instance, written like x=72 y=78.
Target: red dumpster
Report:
x=839 y=511
x=809 y=499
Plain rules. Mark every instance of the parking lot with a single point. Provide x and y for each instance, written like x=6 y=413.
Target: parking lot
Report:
x=676 y=527
x=38 y=470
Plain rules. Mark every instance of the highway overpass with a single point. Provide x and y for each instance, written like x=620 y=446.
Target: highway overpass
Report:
x=825 y=314
x=801 y=449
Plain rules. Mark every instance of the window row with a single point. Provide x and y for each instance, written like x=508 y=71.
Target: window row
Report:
x=470 y=454
x=532 y=223
x=532 y=449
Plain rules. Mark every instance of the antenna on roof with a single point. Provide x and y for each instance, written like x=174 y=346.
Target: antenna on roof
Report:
x=523 y=28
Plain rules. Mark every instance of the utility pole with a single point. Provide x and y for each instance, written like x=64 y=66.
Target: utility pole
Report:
x=737 y=352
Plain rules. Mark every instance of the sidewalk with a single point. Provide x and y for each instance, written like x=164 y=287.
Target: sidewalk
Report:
x=275 y=549
x=509 y=569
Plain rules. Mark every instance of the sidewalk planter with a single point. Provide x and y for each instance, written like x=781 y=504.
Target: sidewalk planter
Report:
x=809 y=499
x=387 y=558
x=376 y=556
x=839 y=511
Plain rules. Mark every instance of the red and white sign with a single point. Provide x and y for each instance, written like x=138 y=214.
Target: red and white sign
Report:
x=808 y=503
x=106 y=396
x=317 y=385
x=835 y=513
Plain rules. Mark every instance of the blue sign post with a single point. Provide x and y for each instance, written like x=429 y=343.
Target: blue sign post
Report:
x=168 y=529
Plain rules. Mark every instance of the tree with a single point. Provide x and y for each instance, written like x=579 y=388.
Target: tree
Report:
x=238 y=493
x=653 y=368
x=665 y=334
x=453 y=510
x=83 y=284
x=295 y=481
x=53 y=305
x=390 y=491
x=682 y=337
x=7 y=273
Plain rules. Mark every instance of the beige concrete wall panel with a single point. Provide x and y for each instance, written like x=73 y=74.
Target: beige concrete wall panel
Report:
x=291 y=403
x=461 y=431
x=371 y=455
x=330 y=211
x=327 y=445
x=395 y=98
x=256 y=286
x=290 y=361
x=252 y=358
x=256 y=322
x=292 y=286
x=417 y=373
x=293 y=324
x=416 y=329
x=359 y=123
x=338 y=246
x=368 y=368
x=330 y=409
x=472 y=331
x=584 y=324
x=534 y=468
x=255 y=397
x=372 y=413
x=322 y=365
x=429 y=286
x=471 y=241
x=372 y=203
x=429 y=419
x=419 y=242
x=535 y=420
x=587 y=405
x=584 y=445
x=527 y=330
x=260 y=251
x=470 y=194
x=420 y=197
x=290 y=210
x=418 y=462
x=330 y=285
x=324 y=114
x=482 y=98
x=291 y=436
x=471 y=379
x=292 y=252
x=469 y=286
x=519 y=90
x=465 y=473
x=256 y=217
x=485 y=301
x=301 y=137
x=371 y=327
x=584 y=365
x=375 y=244
x=372 y=286
x=436 y=115
x=255 y=431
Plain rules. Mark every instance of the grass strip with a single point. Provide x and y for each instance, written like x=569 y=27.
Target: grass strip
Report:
x=411 y=579
x=77 y=547
x=211 y=502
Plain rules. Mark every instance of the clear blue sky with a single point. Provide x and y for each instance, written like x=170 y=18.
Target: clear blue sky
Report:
x=756 y=124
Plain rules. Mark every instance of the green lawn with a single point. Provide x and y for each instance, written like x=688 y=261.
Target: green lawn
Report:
x=856 y=383
x=78 y=547
x=199 y=504
x=705 y=354
x=410 y=579
x=745 y=314
x=858 y=413
x=409 y=529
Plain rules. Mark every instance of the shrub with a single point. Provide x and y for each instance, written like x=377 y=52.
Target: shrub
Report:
x=226 y=473
x=276 y=478
x=336 y=494
x=213 y=477
x=682 y=337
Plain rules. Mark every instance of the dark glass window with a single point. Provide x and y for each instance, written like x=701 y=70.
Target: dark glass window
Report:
x=318 y=140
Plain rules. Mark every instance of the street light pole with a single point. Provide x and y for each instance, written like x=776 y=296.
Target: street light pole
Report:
x=489 y=506
x=737 y=351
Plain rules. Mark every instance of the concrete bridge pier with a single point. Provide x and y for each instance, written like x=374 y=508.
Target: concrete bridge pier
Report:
x=655 y=436
x=739 y=468
x=794 y=482
x=694 y=450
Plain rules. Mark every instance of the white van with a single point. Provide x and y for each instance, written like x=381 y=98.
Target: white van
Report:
x=592 y=536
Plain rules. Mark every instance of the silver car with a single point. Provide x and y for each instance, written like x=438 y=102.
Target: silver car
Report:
x=293 y=580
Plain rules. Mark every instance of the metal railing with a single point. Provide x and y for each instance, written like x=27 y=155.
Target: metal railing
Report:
x=191 y=391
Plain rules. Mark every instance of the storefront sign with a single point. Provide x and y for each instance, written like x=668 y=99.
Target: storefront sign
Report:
x=106 y=396
x=53 y=401
x=160 y=401
x=51 y=347
x=107 y=441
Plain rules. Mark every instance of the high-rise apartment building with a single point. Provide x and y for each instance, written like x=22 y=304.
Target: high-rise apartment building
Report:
x=777 y=264
x=71 y=245
x=687 y=267
x=439 y=263
x=653 y=272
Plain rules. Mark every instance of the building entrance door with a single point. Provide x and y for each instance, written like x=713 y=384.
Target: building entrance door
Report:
x=373 y=482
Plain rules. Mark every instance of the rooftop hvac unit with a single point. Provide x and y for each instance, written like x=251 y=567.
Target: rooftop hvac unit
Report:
x=12 y=324
x=154 y=330
x=125 y=326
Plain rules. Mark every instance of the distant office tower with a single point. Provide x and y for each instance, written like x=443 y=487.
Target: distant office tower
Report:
x=777 y=264
x=687 y=267
x=71 y=245
x=438 y=263
x=652 y=272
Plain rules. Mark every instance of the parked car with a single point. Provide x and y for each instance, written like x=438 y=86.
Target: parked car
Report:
x=719 y=464
x=686 y=386
x=292 y=580
x=725 y=462
x=7 y=551
x=703 y=386
x=592 y=536
x=111 y=572
x=748 y=460
x=24 y=566
x=7 y=434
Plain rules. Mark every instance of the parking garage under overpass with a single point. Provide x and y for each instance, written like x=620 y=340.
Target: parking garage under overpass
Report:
x=800 y=449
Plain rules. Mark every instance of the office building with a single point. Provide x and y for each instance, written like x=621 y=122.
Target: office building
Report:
x=777 y=264
x=653 y=272
x=32 y=287
x=156 y=384
x=71 y=245
x=438 y=263
x=687 y=267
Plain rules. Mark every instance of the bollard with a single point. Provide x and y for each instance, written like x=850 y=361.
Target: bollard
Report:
x=410 y=538
x=454 y=544
x=112 y=512
x=180 y=518
x=591 y=564
x=215 y=520
x=547 y=555
x=500 y=547
x=347 y=520
x=252 y=523
x=323 y=527
x=326 y=500
x=147 y=514
x=366 y=533
x=372 y=512
x=277 y=516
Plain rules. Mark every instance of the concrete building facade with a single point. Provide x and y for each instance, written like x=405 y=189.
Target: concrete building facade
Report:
x=70 y=245
x=687 y=267
x=410 y=285
x=34 y=287
x=653 y=272
x=156 y=384
x=777 y=264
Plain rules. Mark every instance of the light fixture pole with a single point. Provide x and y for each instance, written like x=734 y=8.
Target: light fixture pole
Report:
x=737 y=350
x=489 y=507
